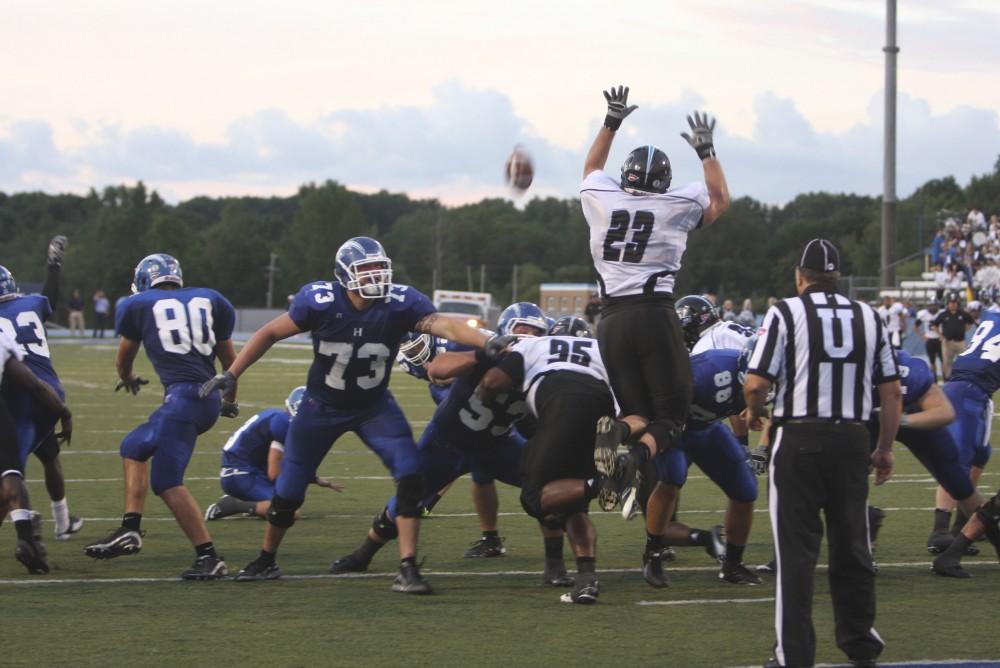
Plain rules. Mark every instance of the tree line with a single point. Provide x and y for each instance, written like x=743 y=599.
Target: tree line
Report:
x=226 y=242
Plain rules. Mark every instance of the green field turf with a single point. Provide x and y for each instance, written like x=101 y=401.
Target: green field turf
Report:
x=485 y=612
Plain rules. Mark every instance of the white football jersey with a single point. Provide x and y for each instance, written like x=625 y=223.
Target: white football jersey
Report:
x=637 y=241
x=9 y=348
x=892 y=316
x=925 y=318
x=723 y=336
x=545 y=354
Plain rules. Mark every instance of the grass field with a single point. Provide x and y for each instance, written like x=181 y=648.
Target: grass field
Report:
x=135 y=611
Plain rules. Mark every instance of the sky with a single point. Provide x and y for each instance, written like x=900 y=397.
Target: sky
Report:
x=252 y=97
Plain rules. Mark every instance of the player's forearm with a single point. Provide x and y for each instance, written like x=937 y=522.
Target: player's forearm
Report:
x=274 y=456
x=718 y=189
x=935 y=411
x=597 y=157
x=755 y=395
x=446 y=366
x=493 y=383
x=22 y=376
x=51 y=288
x=278 y=329
x=127 y=351
x=453 y=329
x=890 y=400
x=227 y=355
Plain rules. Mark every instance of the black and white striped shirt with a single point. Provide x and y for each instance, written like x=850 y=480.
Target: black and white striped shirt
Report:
x=824 y=353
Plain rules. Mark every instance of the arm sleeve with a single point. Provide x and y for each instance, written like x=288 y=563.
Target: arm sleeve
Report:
x=224 y=319
x=51 y=288
x=768 y=357
x=419 y=307
x=127 y=323
x=599 y=180
x=279 y=427
x=301 y=311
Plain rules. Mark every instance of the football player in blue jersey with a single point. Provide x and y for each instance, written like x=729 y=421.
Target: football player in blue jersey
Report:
x=22 y=318
x=183 y=330
x=718 y=380
x=974 y=378
x=13 y=493
x=356 y=324
x=251 y=461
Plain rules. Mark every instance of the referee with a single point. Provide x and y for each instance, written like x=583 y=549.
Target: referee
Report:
x=823 y=353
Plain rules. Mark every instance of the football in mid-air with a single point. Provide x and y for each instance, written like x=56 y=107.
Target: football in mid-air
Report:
x=519 y=170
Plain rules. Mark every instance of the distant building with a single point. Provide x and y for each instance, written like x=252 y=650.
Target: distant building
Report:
x=559 y=299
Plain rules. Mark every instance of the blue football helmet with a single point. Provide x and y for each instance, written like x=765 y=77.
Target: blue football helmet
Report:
x=362 y=265
x=416 y=348
x=696 y=315
x=8 y=286
x=570 y=325
x=155 y=269
x=294 y=400
x=522 y=313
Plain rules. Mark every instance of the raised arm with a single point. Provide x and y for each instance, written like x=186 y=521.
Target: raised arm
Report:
x=54 y=257
x=618 y=109
x=700 y=139
x=452 y=328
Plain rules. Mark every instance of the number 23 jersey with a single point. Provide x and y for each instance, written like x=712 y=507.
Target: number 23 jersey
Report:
x=637 y=241
x=354 y=350
x=179 y=329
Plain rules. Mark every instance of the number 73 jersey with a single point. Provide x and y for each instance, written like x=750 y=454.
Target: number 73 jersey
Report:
x=980 y=363
x=637 y=241
x=179 y=330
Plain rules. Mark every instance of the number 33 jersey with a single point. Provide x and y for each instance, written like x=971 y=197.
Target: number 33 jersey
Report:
x=637 y=241
x=179 y=329
x=354 y=350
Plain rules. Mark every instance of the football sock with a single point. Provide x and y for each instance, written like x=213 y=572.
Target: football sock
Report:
x=60 y=513
x=491 y=534
x=266 y=558
x=22 y=523
x=408 y=561
x=367 y=549
x=654 y=543
x=700 y=537
x=734 y=553
x=206 y=549
x=960 y=520
x=942 y=518
x=957 y=548
x=554 y=547
x=433 y=502
x=131 y=521
x=586 y=565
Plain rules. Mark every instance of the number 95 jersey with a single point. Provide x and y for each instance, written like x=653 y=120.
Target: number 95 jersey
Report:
x=179 y=329
x=354 y=350
x=637 y=241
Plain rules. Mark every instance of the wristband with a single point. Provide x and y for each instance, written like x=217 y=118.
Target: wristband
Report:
x=612 y=122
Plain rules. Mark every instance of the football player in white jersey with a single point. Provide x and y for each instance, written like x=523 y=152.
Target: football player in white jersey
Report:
x=893 y=314
x=568 y=392
x=704 y=330
x=638 y=233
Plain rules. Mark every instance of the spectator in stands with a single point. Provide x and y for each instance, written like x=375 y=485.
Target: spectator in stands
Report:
x=102 y=309
x=937 y=248
x=727 y=314
x=75 y=308
x=951 y=324
x=976 y=219
x=711 y=296
x=747 y=317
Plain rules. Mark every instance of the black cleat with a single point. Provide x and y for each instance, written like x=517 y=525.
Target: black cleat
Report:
x=949 y=568
x=618 y=471
x=350 y=563
x=491 y=546
x=875 y=518
x=32 y=554
x=256 y=571
x=668 y=554
x=717 y=547
x=409 y=580
x=206 y=567
x=585 y=592
x=770 y=568
x=120 y=542
x=556 y=575
x=939 y=541
x=738 y=574
x=652 y=570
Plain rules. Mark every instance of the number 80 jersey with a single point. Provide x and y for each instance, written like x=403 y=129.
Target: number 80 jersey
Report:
x=637 y=241
x=179 y=329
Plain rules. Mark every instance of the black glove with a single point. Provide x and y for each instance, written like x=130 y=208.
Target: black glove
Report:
x=133 y=384
x=229 y=409
x=57 y=247
x=223 y=382
x=497 y=344
x=701 y=135
x=759 y=458
x=618 y=107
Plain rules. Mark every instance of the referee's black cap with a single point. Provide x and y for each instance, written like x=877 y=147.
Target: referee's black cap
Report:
x=820 y=255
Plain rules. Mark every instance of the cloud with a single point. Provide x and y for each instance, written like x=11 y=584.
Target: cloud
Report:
x=454 y=149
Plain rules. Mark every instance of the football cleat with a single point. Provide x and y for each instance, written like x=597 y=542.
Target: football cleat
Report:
x=556 y=575
x=668 y=554
x=875 y=518
x=206 y=567
x=32 y=554
x=652 y=570
x=770 y=568
x=939 y=540
x=409 y=580
x=585 y=591
x=491 y=546
x=350 y=563
x=949 y=568
x=717 y=547
x=256 y=571
x=738 y=574
x=120 y=542
x=630 y=503
x=226 y=506
x=75 y=524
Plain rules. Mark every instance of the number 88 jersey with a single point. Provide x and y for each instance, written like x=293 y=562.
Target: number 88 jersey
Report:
x=980 y=363
x=718 y=389
x=637 y=241
x=179 y=329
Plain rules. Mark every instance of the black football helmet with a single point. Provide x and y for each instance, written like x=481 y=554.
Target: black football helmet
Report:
x=570 y=325
x=696 y=315
x=647 y=169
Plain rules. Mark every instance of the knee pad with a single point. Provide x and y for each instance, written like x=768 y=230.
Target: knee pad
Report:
x=665 y=433
x=384 y=527
x=409 y=493
x=281 y=513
